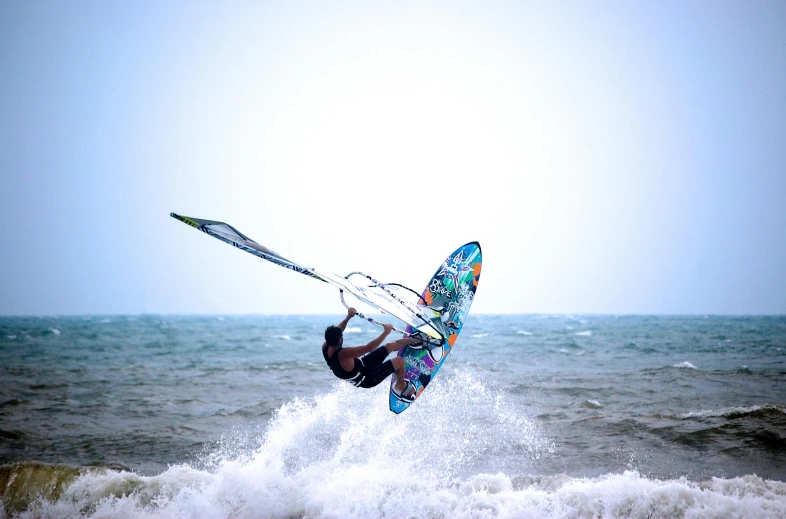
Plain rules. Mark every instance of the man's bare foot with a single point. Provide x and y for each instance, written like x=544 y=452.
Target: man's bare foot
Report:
x=405 y=390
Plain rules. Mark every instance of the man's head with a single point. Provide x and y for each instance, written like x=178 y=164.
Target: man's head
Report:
x=333 y=335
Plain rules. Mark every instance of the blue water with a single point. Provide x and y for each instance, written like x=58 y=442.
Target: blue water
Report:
x=531 y=416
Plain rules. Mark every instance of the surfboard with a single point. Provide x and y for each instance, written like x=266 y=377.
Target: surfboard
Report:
x=446 y=300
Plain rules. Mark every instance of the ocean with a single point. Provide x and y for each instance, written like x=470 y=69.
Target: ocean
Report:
x=532 y=416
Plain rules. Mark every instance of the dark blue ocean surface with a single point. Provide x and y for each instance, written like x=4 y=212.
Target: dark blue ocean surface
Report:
x=532 y=416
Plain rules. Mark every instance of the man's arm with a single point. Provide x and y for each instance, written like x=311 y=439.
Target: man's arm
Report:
x=350 y=314
x=358 y=351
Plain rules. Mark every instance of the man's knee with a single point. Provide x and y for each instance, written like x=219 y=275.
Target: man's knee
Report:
x=398 y=363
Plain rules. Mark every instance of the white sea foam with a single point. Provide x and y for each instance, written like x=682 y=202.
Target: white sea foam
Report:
x=284 y=337
x=586 y=333
x=266 y=488
x=353 y=329
x=342 y=454
x=523 y=332
x=685 y=364
x=339 y=454
x=480 y=335
x=55 y=331
x=12 y=337
x=732 y=411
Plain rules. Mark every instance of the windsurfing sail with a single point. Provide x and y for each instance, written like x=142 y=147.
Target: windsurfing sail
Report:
x=391 y=299
x=232 y=236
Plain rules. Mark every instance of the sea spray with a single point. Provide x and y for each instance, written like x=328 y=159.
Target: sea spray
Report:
x=341 y=453
x=247 y=490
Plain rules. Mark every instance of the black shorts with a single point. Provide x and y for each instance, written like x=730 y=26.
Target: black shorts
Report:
x=375 y=367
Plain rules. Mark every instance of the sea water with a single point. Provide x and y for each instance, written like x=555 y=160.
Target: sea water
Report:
x=531 y=416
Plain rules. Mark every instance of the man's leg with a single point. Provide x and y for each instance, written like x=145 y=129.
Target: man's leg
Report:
x=380 y=369
x=401 y=371
x=399 y=363
x=397 y=345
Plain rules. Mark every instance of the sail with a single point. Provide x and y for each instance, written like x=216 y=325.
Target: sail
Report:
x=383 y=298
x=232 y=236
x=374 y=294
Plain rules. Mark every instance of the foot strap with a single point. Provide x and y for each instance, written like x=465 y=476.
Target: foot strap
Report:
x=408 y=398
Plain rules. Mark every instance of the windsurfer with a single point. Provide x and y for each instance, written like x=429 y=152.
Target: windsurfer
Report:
x=365 y=366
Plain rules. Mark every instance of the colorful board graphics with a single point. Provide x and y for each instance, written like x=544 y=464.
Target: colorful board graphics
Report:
x=448 y=297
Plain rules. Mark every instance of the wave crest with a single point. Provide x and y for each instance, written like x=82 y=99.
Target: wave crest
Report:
x=251 y=490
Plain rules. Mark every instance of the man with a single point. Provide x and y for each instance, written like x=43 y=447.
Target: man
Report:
x=365 y=366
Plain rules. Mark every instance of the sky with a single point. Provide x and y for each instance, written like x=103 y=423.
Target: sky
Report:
x=610 y=157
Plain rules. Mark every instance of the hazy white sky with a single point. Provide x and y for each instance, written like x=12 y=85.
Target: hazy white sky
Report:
x=610 y=157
